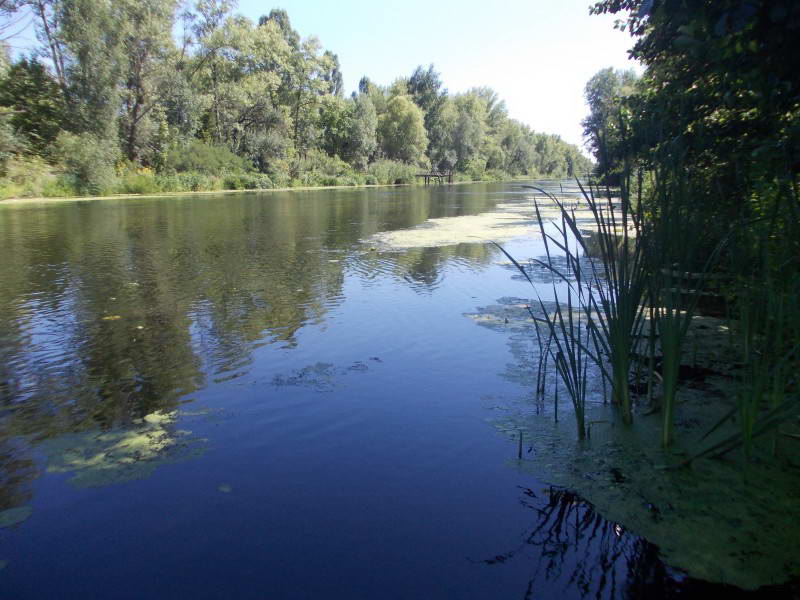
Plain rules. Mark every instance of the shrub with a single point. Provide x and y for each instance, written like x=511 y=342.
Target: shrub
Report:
x=496 y=175
x=28 y=177
x=141 y=182
x=90 y=160
x=279 y=172
x=393 y=172
x=234 y=181
x=60 y=186
x=257 y=181
x=201 y=157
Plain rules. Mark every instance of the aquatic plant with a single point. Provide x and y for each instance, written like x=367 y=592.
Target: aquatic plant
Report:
x=568 y=340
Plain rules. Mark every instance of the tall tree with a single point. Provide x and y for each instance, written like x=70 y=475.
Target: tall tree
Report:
x=402 y=130
x=148 y=51
x=34 y=98
x=602 y=128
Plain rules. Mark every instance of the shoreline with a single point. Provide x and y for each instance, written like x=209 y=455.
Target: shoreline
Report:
x=43 y=200
x=746 y=507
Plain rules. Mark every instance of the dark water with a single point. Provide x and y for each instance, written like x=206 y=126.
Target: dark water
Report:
x=237 y=397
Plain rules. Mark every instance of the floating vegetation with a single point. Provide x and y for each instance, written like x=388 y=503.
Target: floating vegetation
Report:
x=104 y=457
x=749 y=513
x=506 y=222
x=321 y=376
x=14 y=516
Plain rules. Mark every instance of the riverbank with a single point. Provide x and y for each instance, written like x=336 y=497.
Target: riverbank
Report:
x=729 y=520
x=12 y=201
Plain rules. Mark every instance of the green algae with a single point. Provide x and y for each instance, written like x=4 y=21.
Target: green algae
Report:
x=730 y=520
x=98 y=458
x=505 y=222
x=14 y=516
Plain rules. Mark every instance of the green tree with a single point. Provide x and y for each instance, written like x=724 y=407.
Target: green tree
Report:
x=361 y=133
x=35 y=103
x=470 y=131
x=401 y=130
x=604 y=127
x=147 y=51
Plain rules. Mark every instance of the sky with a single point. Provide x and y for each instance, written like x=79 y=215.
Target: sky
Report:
x=537 y=54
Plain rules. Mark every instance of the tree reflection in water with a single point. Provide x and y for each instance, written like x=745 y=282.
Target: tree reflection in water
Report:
x=576 y=553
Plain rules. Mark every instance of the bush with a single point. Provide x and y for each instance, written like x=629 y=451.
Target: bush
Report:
x=90 y=160
x=392 y=172
x=198 y=182
x=279 y=172
x=370 y=180
x=234 y=181
x=139 y=182
x=257 y=181
x=496 y=175
x=204 y=158
x=60 y=186
x=188 y=182
x=28 y=177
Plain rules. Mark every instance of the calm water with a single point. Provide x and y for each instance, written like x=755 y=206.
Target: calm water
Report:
x=238 y=397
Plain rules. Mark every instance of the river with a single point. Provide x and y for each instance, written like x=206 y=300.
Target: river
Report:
x=253 y=396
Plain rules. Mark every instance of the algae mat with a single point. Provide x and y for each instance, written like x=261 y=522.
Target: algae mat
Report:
x=730 y=520
x=97 y=458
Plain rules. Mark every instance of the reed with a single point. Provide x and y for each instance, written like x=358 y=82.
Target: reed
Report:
x=567 y=333
x=679 y=266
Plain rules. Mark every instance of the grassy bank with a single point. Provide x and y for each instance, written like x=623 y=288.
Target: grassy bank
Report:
x=39 y=199
x=35 y=179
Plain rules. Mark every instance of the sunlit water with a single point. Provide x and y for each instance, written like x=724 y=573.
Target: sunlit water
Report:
x=240 y=396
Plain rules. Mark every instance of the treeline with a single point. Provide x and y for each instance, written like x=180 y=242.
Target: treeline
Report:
x=714 y=122
x=111 y=101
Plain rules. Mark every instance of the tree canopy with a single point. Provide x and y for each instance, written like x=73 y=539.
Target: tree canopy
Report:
x=114 y=74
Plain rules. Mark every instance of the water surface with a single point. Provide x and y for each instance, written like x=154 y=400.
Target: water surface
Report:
x=243 y=396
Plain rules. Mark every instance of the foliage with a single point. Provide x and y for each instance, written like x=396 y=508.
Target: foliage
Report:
x=230 y=96
x=204 y=158
x=33 y=98
x=388 y=172
x=401 y=130
x=714 y=124
x=90 y=160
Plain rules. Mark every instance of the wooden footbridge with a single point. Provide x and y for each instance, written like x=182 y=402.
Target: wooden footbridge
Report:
x=437 y=177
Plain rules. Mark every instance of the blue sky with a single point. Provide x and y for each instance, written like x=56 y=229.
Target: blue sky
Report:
x=536 y=54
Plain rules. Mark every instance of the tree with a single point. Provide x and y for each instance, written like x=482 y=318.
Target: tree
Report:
x=362 y=132
x=443 y=118
x=34 y=98
x=720 y=90
x=333 y=76
x=402 y=130
x=281 y=18
x=603 y=127
x=147 y=49
x=470 y=130
x=425 y=89
x=335 y=118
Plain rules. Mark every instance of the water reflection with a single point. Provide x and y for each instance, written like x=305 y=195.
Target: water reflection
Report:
x=575 y=553
x=112 y=311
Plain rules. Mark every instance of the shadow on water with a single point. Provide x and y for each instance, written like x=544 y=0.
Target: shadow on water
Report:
x=576 y=553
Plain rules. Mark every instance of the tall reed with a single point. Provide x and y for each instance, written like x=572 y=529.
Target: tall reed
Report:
x=568 y=333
